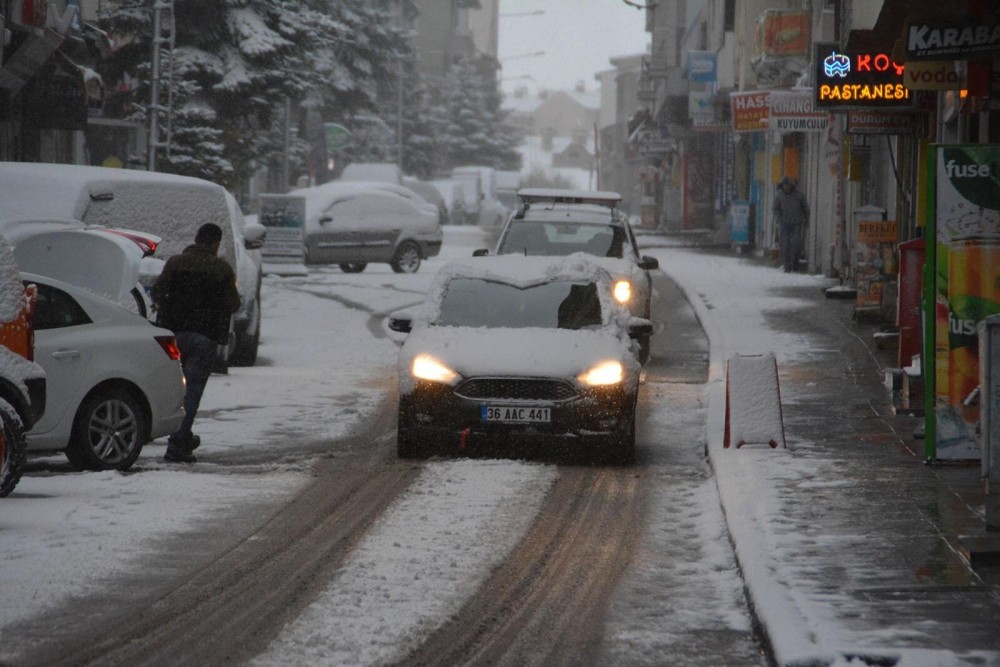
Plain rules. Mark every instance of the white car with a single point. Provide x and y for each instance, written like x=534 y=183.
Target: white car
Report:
x=353 y=224
x=519 y=356
x=169 y=206
x=114 y=379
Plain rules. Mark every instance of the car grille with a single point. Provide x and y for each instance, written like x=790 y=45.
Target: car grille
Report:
x=516 y=389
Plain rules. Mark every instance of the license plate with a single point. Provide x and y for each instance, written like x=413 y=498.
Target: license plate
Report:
x=511 y=414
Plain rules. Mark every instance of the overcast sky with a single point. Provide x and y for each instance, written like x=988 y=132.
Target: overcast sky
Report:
x=578 y=38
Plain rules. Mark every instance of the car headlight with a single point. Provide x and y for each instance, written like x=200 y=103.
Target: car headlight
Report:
x=605 y=373
x=426 y=367
x=622 y=291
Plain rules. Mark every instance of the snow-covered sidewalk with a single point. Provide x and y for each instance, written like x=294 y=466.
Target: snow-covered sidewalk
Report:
x=841 y=538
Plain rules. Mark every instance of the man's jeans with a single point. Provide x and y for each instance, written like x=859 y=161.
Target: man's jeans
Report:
x=197 y=360
x=791 y=245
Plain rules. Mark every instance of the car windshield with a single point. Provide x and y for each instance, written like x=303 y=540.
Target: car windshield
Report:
x=561 y=239
x=469 y=302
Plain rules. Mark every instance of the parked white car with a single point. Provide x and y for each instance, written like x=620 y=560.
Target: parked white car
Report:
x=114 y=379
x=353 y=225
x=172 y=207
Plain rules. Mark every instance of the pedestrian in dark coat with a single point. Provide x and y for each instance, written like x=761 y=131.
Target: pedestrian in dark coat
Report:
x=791 y=213
x=195 y=296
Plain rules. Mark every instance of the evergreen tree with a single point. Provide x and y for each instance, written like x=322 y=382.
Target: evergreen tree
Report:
x=476 y=127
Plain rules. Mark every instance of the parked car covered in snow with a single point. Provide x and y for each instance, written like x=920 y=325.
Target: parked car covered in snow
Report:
x=171 y=207
x=517 y=355
x=353 y=225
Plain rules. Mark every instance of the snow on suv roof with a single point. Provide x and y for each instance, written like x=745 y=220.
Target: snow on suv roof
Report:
x=560 y=196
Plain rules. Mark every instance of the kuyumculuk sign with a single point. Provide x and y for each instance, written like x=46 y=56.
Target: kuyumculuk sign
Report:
x=962 y=288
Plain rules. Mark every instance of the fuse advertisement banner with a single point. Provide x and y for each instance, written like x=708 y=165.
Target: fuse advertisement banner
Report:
x=962 y=288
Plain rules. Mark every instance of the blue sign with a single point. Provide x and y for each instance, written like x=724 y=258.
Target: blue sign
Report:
x=701 y=66
x=739 y=217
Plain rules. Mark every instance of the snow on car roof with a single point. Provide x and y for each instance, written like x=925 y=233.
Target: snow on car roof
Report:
x=321 y=197
x=565 y=196
x=523 y=272
x=574 y=213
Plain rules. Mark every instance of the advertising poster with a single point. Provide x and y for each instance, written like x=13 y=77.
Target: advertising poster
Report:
x=874 y=260
x=284 y=216
x=966 y=289
x=739 y=216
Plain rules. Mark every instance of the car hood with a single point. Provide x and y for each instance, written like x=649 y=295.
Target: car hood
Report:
x=528 y=352
x=105 y=263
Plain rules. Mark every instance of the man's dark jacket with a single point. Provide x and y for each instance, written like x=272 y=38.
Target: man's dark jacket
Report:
x=196 y=291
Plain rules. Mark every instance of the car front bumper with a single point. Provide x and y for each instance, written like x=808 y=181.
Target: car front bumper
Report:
x=443 y=422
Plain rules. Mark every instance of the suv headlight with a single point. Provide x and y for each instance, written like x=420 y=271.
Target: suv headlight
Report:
x=622 y=291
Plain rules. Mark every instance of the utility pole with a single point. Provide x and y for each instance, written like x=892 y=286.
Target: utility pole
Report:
x=163 y=45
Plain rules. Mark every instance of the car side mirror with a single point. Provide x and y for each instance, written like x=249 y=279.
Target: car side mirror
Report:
x=481 y=252
x=401 y=321
x=254 y=235
x=648 y=263
x=639 y=327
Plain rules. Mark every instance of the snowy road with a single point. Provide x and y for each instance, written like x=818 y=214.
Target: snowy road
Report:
x=355 y=558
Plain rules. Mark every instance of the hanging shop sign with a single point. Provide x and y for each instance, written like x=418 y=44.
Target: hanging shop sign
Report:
x=958 y=41
x=961 y=289
x=794 y=111
x=782 y=33
x=934 y=75
x=701 y=66
x=858 y=79
x=874 y=121
x=750 y=110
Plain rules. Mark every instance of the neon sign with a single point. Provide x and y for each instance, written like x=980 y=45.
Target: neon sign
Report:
x=858 y=79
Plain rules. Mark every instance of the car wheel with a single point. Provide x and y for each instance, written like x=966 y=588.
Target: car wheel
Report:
x=354 y=267
x=621 y=449
x=12 y=446
x=406 y=259
x=408 y=444
x=644 y=346
x=245 y=351
x=109 y=431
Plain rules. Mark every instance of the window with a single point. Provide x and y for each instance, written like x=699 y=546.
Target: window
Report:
x=56 y=309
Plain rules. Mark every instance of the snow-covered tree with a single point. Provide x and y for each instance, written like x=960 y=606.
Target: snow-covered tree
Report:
x=477 y=131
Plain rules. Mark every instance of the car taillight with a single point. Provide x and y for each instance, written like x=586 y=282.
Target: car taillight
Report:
x=169 y=345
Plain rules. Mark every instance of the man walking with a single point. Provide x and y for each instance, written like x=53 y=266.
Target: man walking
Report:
x=791 y=213
x=194 y=297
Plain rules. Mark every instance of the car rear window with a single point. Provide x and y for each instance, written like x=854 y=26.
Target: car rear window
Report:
x=562 y=239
